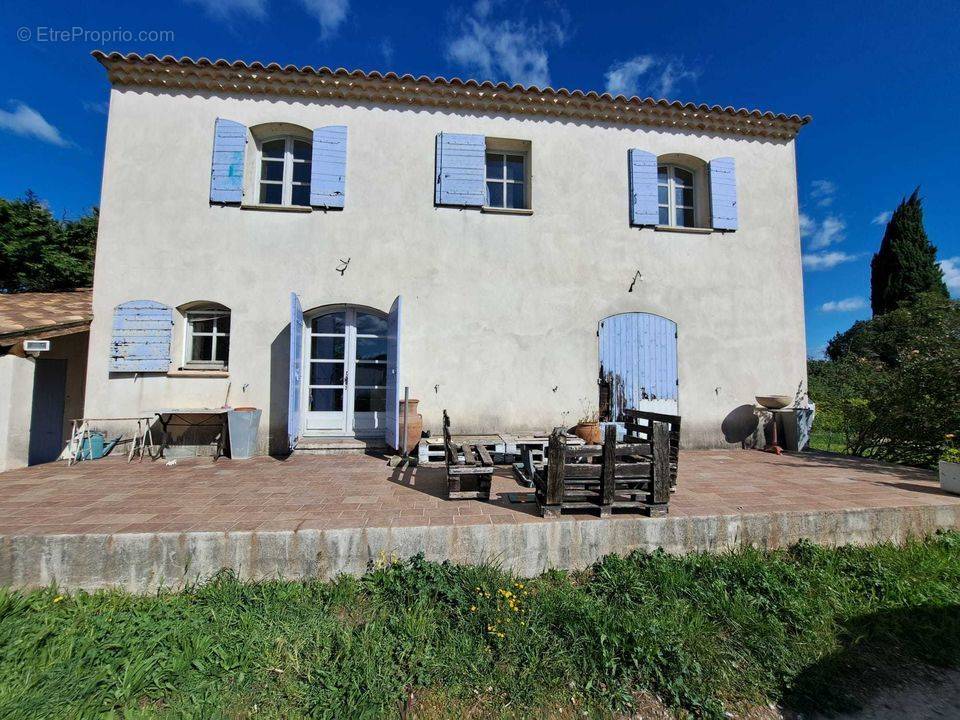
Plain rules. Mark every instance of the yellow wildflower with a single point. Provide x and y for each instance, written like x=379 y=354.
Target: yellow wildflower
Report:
x=58 y=598
x=473 y=608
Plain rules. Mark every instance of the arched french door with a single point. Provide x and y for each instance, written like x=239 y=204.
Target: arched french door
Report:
x=345 y=372
x=638 y=364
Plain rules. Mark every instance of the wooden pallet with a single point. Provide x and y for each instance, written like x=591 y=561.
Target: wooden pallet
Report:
x=431 y=450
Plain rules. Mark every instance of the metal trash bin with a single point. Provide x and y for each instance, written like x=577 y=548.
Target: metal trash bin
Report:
x=242 y=426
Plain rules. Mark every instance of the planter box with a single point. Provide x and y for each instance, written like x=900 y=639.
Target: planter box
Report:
x=950 y=477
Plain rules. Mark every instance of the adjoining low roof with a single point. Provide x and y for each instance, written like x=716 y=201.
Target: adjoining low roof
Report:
x=186 y=74
x=32 y=314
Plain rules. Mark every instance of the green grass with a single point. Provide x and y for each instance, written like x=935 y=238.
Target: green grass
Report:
x=826 y=440
x=816 y=628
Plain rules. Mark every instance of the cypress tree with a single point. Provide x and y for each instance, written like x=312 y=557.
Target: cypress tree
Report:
x=906 y=264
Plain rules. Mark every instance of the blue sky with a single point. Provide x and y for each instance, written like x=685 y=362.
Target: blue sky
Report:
x=880 y=79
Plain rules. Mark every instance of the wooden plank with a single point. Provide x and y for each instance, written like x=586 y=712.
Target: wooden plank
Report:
x=468 y=456
x=577 y=471
x=609 y=463
x=555 y=469
x=484 y=455
x=470 y=470
x=660 y=491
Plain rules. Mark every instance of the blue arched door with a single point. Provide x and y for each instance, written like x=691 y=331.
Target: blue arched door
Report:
x=638 y=363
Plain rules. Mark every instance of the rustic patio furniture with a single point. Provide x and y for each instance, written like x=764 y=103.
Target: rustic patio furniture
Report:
x=194 y=419
x=629 y=475
x=638 y=425
x=467 y=466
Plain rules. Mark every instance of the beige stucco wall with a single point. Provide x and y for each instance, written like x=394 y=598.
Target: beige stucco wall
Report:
x=16 y=395
x=501 y=312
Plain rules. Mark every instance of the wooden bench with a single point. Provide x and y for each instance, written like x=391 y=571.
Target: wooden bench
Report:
x=467 y=465
x=638 y=426
x=612 y=476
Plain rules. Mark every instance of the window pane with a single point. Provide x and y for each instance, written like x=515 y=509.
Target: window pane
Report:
x=271 y=170
x=684 y=196
x=271 y=194
x=685 y=218
x=368 y=324
x=201 y=324
x=494 y=166
x=272 y=149
x=515 y=195
x=515 y=167
x=326 y=400
x=365 y=400
x=326 y=373
x=223 y=348
x=301 y=172
x=326 y=348
x=223 y=323
x=662 y=174
x=682 y=177
x=301 y=150
x=662 y=194
x=330 y=323
x=300 y=195
x=202 y=348
x=495 y=194
x=371 y=374
x=664 y=216
x=372 y=348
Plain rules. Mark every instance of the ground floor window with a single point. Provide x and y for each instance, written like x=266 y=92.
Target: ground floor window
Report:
x=208 y=338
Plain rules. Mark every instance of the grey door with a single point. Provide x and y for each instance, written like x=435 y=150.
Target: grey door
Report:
x=46 y=418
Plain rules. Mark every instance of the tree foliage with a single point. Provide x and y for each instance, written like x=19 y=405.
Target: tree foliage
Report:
x=40 y=253
x=891 y=386
x=906 y=264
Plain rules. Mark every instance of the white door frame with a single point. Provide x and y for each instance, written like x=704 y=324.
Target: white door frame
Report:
x=353 y=424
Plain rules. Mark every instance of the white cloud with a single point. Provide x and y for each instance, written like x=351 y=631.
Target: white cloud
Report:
x=26 y=121
x=226 y=9
x=882 y=218
x=512 y=50
x=647 y=75
x=951 y=273
x=386 y=49
x=330 y=13
x=826 y=260
x=807 y=225
x=827 y=233
x=846 y=305
x=101 y=108
x=823 y=191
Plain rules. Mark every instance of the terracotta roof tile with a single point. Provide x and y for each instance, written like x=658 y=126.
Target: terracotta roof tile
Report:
x=323 y=82
x=31 y=312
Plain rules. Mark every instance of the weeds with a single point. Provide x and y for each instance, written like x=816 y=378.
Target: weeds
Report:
x=812 y=627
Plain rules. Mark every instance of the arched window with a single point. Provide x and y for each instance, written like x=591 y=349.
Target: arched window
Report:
x=675 y=196
x=206 y=342
x=284 y=171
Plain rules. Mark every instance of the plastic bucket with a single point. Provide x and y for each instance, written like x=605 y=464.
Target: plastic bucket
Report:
x=242 y=427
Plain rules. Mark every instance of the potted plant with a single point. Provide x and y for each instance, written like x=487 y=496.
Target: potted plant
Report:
x=588 y=427
x=950 y=466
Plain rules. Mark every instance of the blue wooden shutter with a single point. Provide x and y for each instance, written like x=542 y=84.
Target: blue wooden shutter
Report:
x=461 y=170
x=723 y=193
x=638 y=359
x=643 y=188
x=392 y=424
x=296 y=366
x=141 y=337
x=328 y=171
x=226 y=173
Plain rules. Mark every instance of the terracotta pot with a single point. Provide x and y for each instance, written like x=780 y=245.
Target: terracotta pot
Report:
x=589 y=431
x=414 y=424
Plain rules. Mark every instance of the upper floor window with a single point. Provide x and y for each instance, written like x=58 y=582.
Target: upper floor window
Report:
x=285 y=172
x=207 y=343
x=506 y=180
x=675 y=196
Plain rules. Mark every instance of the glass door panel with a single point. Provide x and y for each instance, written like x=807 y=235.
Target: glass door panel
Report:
x=327 y=378
x=370 y=373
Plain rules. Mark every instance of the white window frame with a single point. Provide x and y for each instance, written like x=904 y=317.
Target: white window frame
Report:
x=188 y=335
x=288 y=162
x=525 y=183
x=672 y=186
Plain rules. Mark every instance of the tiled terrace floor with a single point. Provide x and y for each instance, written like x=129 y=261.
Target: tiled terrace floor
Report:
x=308 y=492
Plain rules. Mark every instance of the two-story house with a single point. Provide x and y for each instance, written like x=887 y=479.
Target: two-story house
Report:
x=311 y=241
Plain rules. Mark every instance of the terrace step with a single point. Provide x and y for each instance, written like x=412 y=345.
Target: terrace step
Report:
x=339 y=446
